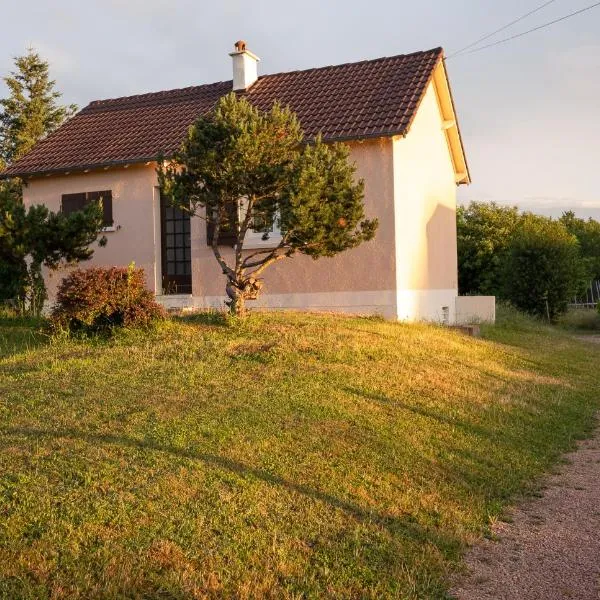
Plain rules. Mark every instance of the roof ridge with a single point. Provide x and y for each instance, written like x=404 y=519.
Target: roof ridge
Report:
x=436 y=50
x=147 y=95
x=191 y=88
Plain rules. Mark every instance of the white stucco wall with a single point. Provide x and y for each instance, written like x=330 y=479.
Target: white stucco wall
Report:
x=475 y=309
x=425 y=218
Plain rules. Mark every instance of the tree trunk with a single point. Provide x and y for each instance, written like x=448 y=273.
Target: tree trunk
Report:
x=240 y=290
x=37 y=290
x=237 y=307
x=237 y=301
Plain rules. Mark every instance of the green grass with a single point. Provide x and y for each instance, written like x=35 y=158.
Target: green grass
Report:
x=582 y=319
x=289 y=456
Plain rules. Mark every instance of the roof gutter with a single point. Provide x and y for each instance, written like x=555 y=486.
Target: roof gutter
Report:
x=79 y=168
x=66 y=170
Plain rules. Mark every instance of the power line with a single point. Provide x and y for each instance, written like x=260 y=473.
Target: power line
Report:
x=489 y=35
x=518 y=35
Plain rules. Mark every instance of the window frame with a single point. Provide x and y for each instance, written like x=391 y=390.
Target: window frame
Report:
x=254 y=240
x=90 y=197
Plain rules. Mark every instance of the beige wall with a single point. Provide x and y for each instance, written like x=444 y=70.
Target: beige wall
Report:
x=425 y=216
x=360 y=280
x=134 y=214
x=368 y=268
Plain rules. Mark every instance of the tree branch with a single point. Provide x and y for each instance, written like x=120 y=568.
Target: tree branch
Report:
x=215 y=246
x=267 y=262
x=246 y=264
x=239 y=266
x=271 y=254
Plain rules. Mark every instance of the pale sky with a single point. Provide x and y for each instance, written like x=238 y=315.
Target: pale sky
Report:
x=529 y=110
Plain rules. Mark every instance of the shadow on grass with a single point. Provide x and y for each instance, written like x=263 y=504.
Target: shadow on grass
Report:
x=407 y=526
x=506 y=456
x=440 y=417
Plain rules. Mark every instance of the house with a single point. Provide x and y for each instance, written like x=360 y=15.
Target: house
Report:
x=396 y=114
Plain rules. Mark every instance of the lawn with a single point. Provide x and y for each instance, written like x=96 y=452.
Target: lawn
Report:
x=290 y=456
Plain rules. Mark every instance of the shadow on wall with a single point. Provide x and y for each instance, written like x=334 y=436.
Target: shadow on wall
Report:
x=427 y=273
x=441 y=262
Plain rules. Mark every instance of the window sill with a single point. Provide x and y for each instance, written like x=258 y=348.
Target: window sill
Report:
x=258 y=244
x=176 y=296
x=109 y=229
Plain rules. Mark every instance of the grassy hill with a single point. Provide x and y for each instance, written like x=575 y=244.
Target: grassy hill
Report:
x=288 y=456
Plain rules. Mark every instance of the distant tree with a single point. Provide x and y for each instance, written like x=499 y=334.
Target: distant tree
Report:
x=484 y=233
x=31 y=110
x=33 y=237
x=241 y=169
x=587 y=233
x=30 y=238
x=543 y=267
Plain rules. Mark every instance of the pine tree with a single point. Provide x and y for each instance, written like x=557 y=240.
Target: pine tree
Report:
x=239 y=166
x=32 y=237
x=32 y=110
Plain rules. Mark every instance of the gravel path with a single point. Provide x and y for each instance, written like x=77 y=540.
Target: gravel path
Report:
x=551 y=549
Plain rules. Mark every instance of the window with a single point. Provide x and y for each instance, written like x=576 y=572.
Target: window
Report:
x=259 y=236
x=74 y=202
x=256 y=236
x=227 y=230
x=176 y=249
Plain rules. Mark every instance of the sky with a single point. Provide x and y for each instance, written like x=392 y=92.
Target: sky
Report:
x=529 y=110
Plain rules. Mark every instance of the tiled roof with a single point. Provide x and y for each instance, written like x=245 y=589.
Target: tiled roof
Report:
x=372 y=98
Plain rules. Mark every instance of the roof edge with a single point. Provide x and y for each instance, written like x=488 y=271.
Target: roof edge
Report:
x=78 y=168
x=437 y=49
x=99 y=102
x=144 y=159
x=454 y=136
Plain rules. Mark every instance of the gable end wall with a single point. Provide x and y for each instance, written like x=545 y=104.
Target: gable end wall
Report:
x=425 y=218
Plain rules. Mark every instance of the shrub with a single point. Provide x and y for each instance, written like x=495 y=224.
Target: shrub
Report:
x=484 y=232
x=98 y=299
x=543 y=268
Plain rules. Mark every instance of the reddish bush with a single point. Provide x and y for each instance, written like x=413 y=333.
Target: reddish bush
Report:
x=98 y=299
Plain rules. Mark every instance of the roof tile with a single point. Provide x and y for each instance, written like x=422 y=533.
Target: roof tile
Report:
x=371 y=98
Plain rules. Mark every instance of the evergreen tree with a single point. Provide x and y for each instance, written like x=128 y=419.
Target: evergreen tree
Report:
x=34 y=237
x=32 y=110
x=242 y=169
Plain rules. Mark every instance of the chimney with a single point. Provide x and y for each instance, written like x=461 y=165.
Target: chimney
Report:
x=245 y=71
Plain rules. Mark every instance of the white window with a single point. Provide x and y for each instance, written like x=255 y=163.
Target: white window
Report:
x=256 y=236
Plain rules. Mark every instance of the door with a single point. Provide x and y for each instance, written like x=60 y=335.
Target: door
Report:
x=175 y=249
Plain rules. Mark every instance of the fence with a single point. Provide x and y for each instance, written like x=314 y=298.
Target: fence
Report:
x=591 y=299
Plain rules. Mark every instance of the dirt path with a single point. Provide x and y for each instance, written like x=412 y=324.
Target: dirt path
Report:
x=551 y=549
